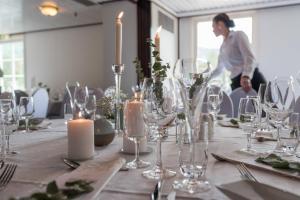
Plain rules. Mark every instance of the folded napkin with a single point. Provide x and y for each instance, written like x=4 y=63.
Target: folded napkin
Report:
x=99 y=172
x=246 y=190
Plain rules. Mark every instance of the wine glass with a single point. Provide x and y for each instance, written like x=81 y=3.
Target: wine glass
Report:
x=81 y=95
x=135 y=130
x=213 y=104
x=248 y=116
x=262 y=106
x=26 y=109
x=91 y=106
x=192 y=75
x=159 y=111
x=70 y=105
x=280 y=101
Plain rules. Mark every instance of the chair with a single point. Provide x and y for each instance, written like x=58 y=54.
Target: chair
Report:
x=41 y=102
x=226 y=106
x=297 y=106
x=236 y=95
x=19 y=94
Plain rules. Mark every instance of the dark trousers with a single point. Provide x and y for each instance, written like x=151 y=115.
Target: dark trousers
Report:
x=257 y=79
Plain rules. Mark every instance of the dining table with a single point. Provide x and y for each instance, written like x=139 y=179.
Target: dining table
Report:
x=41 y=152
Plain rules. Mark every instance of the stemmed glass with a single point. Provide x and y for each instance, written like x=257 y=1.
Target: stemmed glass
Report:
x=262 y=105
x=91 y=106
x=70 y=106
x=192 y=75
x=135 y=130
x=280 y=103
x=26 y=109
x=81 y=95
x=248 y=116
x=158 y=110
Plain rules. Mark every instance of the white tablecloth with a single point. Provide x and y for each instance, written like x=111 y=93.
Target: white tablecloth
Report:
x=41 y=151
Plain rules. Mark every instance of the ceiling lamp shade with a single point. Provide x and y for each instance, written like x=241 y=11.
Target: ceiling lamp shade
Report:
x=48 y=8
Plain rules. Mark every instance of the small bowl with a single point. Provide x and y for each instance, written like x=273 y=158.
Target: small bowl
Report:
x=103 y=132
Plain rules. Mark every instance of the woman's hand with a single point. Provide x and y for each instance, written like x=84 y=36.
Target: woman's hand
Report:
x=246 y=83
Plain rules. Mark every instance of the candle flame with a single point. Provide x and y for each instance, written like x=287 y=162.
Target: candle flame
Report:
x=79 y=115
x=120 y=15
x=159 y=29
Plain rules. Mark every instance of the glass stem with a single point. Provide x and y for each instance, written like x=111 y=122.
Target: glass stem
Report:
x=137 y=150
x=249 y=141
x=26 y=124
x=278 y=145
x=268 y=121
x=158 y=156
x=3 y=143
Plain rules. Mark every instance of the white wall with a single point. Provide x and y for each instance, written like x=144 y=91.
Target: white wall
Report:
x=54 y=57
x=83 y=54
x=168 y=40
x=278 y=44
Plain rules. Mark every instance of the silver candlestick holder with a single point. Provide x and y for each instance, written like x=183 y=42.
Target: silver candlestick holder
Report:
x=118 y=71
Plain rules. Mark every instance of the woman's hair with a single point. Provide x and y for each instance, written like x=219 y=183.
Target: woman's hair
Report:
x=223 y=17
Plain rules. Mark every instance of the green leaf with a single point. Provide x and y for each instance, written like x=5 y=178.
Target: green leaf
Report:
x=52 y=188
x=295 y=166
x=234 y=121
x=40 y=196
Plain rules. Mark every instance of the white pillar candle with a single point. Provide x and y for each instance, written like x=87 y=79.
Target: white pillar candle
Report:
x=134 y=125
x=157 y=39
x=119 y=39
x=134 y=122
x=80 y=139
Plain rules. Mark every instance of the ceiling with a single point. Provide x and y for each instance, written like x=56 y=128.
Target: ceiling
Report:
x=17 y=16
x=185 y=8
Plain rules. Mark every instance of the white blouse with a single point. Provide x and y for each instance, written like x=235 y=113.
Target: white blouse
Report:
x=236 y=56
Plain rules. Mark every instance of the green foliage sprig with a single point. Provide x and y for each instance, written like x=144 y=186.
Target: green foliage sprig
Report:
x=139 y=70
x=159 y=72
x=71 y=190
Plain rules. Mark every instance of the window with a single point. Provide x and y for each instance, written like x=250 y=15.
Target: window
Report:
x=208 y=44
x=12 y=65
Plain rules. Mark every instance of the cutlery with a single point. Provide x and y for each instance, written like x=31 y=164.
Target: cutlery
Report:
x=71 y=163
x=7 y=174
x=245 y=172
x=217 y=157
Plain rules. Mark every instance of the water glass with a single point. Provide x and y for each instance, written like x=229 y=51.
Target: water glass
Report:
x=81 y=95
x=91 y=106
x=26 y=109
x=248 y=120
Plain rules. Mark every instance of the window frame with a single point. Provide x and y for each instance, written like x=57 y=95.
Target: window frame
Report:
x=12 y=39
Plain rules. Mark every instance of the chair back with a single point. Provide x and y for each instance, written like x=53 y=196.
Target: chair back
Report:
x=236 y=95
x=40 y=102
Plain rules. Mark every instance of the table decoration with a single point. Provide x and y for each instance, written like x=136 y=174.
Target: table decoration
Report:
x=104 y=132
x=118 y=70
x=80 y=139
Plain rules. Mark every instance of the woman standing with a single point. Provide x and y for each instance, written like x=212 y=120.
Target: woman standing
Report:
x=236 y=56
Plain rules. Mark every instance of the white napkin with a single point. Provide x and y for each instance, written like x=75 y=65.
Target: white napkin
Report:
x=244 y=190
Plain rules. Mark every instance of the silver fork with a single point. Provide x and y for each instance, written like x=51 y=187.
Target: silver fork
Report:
x=7 y=174
x=245 y=172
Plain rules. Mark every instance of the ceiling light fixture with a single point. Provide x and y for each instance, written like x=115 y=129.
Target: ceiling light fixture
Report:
x=49 y=8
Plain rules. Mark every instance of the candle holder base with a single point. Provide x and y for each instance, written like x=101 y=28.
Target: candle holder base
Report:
x=118 y=71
